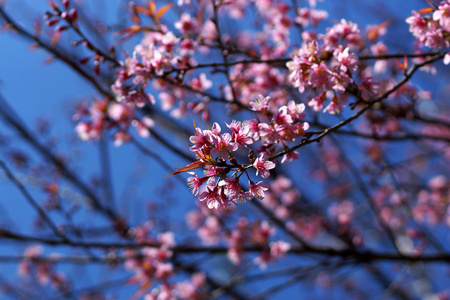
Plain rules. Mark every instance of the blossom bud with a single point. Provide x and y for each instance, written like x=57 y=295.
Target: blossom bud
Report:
x=65 y=16
x=52 y=22
x=53 y=5
x=47 y=15
x=66 y=4
x=83 y=60
x=73 y=14
x=112 y=50
x=60 y=28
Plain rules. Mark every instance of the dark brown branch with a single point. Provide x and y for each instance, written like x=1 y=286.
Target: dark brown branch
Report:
x=54 y=51
x=31 y=201
x=10 y=118
x=364 y=256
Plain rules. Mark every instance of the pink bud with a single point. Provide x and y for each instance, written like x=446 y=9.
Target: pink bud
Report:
x=83 y=60
x=73 y=14
x=66 y=4
x=53 y=5
x=60 y=28
x=52 y=22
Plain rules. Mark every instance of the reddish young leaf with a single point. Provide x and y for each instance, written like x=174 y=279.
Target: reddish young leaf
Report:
x=426 y=10
x=163 y=10
x=191 y=166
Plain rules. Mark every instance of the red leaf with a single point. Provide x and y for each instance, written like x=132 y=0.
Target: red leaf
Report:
x=163 y=10
x=426 y=10
x=191 y=166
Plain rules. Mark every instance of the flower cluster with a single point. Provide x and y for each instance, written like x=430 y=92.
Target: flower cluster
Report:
x=432 y=31
x=43 y=270
x=323 y=63
x=220 y=190
x=243 y=233
x=105 y=114
x=158 y=54
x=217 y=153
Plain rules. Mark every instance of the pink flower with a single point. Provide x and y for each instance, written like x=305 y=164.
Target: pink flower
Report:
x=143 y=125
x=279 y=249
x=443 y=15
x=214 y=198
x=317 y=102
x=201 y=83
x=222 y=145
x=321 y=76
x=263 y=260
x=209 y=233
x=260 y=103
x=209 y=30
x=233 y=189
x=417 y=24
x=342 y=211
x=240 y=134
x=293 y=155
x=257 y=189
x=195 y=182
x=163 y=270
x=167 y=239
x=186 y=24
x=346 y=60
x=300 y=66
x=263 y=166
x=200 y=139
x=296 y=110
x=334 y=107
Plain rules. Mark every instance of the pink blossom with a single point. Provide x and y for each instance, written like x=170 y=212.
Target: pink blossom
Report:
x=209 y=232
x=346 y=60
x=261 y=103
x=333 y=107
x=418 y=24
x=120 y=137
x=317 y=102
x=296 y=110
x=442 y=14
x=186 y=24
x=233 y=189
x=293 y=155
x=214 y=196
x=342 y=212
x=263 y=259
x=209 y=30
x=163 y=270
x=321 y=76
x=143 y=126
x=222 y=145
x=200 y=139
x=257 y=189
x=201 y=83
x=279 y=249
x=262 y=166
x=195 y=183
